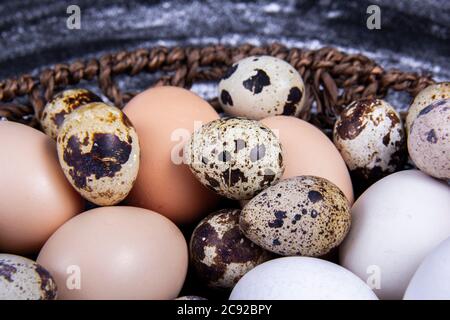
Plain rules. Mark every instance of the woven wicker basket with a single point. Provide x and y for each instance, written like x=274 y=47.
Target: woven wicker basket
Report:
x=332 y=78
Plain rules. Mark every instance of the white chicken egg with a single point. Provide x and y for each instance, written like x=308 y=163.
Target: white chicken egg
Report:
x=432 y=279
x=395 y=224
x=300 y=278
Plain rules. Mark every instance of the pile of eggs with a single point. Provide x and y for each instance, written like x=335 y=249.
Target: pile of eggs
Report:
x=257 y=203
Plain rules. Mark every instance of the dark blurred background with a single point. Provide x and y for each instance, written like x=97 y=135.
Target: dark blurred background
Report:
x=414 y=35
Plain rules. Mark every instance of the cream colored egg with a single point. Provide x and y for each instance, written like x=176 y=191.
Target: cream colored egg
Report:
x=424 y=98
x=370 y=137
x=118 y=252
x=235 y=157
x=24 y=279
x=98 y=150
x=220 y=253
x=429 y=139
x=61 y=105
x=304 y=215
x=261 y=86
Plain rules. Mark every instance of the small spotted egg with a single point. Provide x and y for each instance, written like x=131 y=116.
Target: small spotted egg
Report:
x=98 y=150
x=220 y=253
x=24 y=279
x=304 y=215
x=190 y=298
x=429 y=139
x=261 y=86
x=61 y=105
x=424 y=98
x=370 y=137
x=235 y=157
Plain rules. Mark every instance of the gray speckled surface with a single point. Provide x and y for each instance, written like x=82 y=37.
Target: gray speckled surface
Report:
x=414 y=34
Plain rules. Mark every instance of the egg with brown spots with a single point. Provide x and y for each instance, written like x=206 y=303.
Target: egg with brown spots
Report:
x=98 y=150
x=220 y=253
x=424 y=98
x=24 y=279
x=61 y=105
x=262 y=86
x=304 y=215
x=370 y=137
x=429 y=140
x=235 y=157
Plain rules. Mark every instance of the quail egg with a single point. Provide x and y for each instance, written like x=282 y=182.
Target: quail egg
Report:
x=98 y=150
x=304 y=215
x=61 y=105
x=429 y=139
x=370 y=137
x=24 y=279
x=424 y=98
x=219 y=251
x=235 y=157
x=261 y=86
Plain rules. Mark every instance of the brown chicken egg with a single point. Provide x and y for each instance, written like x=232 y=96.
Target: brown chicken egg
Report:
x=117 y=253
x=99 y=152
x=308 y=151
x=220 y=253
x=35 y=197
x=62 y=104
x=164 y=118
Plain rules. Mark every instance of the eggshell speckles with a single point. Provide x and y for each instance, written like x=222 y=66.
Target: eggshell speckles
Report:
x=370 y=138
x=429 y=139
x=235 y=157
x=61 y=105
x=98 y=150
x=261 y=86
x=220 y=253
x=424 y=98
x=23 y=279
x=303 y=215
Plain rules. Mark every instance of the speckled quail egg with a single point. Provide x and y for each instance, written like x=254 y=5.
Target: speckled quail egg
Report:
x=370 y=137
x=190 y=298
x=304 y=215
x=235 y=157
x=61 y=105
x=429 y=139
x=424 y=98
x=24 y=279
x=98 y=150
x=219 y=251
x=261 y=86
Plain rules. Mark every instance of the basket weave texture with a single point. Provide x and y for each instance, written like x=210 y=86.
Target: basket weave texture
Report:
x=333 y=78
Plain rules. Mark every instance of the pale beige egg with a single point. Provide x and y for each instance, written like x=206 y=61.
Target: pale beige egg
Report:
x=117 y=253
x=35 y=197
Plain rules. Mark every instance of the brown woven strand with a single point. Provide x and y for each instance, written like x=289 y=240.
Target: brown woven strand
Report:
x=333 y=79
